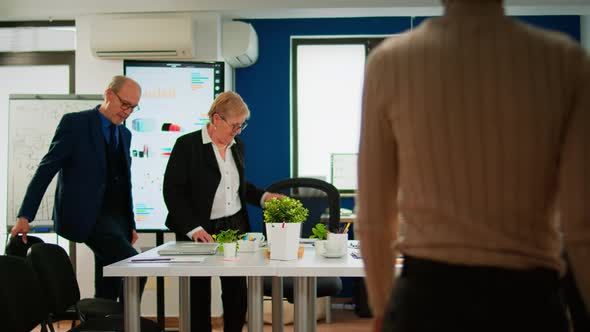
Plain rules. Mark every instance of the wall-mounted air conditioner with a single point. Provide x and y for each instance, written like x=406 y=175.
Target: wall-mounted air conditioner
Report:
x=143 y=37
x=240 y=44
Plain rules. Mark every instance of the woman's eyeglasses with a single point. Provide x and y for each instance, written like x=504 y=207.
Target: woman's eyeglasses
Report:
x=234 y=127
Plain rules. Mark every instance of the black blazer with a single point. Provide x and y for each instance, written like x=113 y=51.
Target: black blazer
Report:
x=77 y=152
x=191 y=180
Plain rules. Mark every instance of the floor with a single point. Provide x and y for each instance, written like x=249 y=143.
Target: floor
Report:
x=343 y=320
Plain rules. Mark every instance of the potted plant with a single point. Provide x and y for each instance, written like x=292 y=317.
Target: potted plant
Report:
x=229 y=241
x=283 y=218
x=320 y=232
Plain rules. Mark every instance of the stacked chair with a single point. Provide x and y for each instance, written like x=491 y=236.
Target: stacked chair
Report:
x=16 y=246
x=60 y=287
x=21 y=308
x=38 y=286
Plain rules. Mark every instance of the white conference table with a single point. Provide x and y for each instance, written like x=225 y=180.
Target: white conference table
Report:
x=254 y=266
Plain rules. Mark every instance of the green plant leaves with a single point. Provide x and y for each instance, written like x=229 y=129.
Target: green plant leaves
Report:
x=228 y=236
x=288 y=210
x=319 y=232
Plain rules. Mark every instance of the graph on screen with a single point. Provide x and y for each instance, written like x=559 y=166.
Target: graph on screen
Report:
x=176 y=97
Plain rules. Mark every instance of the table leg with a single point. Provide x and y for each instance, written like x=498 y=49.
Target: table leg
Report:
x=311 y=303
x=160 y=293
x=184 y=317
x=132 y=314
x=277 y=304
x=255 y=319
x=300 y=286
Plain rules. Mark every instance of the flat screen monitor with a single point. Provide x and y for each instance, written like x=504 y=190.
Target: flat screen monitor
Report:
x=176 y=97
x=343 y=169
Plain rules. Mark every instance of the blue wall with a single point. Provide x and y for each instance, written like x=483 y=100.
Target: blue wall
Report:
x=265 y=86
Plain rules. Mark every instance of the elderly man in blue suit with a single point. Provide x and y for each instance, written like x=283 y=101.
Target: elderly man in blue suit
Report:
x=93 y=204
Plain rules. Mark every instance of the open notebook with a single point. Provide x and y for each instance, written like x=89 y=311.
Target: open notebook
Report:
x=189 y=248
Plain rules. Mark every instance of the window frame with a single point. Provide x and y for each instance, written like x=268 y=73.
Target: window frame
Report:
x=370 y=42
x=41 y=58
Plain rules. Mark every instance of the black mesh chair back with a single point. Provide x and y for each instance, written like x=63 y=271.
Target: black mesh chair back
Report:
x=16 y=246
x=21 y=308
x=319 y=197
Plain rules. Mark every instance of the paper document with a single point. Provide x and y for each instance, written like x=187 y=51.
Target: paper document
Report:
x=183 y=259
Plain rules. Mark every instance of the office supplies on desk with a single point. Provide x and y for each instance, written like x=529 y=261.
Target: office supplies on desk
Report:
x=307 y=241
x=345 y=230
x=189 y=248
x=151 y=260
x=182 y=259
x=356 y=254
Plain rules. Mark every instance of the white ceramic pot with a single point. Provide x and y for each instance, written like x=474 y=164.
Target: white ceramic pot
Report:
x=320 y=246
x=230 y=249
x=283 y=240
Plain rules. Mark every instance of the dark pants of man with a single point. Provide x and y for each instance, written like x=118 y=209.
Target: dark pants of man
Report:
x=111 y=242
x=435 y=296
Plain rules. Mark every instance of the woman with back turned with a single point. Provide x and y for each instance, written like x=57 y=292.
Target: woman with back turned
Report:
x=474 y=136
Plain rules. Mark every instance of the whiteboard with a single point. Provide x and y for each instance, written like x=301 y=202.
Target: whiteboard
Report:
x=32 y=120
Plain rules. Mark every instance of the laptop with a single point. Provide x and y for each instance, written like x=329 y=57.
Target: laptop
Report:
x=189 y=248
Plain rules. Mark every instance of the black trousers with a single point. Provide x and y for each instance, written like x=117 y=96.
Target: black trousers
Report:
x=233 y=289
x=579 y=316
x=434 y=296
x=111 y=242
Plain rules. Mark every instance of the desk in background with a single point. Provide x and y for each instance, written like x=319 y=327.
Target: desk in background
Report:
x=344 y=218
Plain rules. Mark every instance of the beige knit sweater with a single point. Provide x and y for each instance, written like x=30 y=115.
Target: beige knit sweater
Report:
x=475 y=134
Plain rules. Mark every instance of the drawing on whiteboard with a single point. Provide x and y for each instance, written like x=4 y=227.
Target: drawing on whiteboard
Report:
x=32 y=120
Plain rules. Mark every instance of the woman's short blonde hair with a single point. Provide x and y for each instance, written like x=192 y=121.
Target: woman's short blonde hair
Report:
x=229 y=104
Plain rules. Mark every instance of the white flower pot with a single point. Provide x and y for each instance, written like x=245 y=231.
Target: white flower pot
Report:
x=230 y=249
x=283 y=240
x=320 y=247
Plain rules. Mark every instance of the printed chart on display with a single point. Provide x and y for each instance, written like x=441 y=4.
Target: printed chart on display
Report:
x=176 y=97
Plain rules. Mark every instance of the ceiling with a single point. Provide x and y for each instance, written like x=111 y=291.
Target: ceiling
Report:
x=18 y=10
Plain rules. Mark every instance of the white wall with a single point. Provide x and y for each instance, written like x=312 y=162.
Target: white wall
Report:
x=92 y=76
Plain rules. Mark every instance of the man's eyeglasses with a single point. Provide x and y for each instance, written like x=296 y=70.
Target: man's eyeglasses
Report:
x=235 y=127
x=125 y=105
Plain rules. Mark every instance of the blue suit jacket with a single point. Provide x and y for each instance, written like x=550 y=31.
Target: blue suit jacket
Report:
x=77 y=152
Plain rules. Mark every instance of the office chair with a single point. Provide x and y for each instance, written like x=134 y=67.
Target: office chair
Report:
x=21 y=309
x=16 y=246
x=60 y=287
x=316 y=195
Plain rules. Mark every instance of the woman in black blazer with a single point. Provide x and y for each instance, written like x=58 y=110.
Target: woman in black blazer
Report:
x=205 y=192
